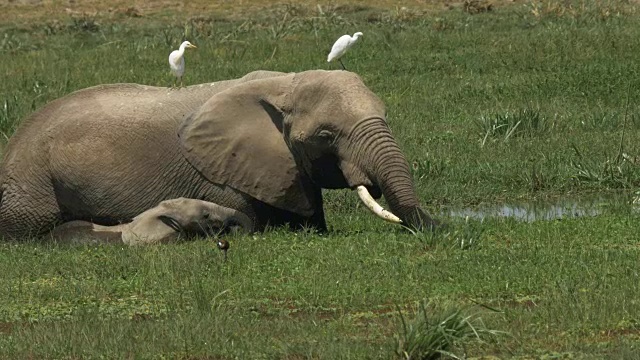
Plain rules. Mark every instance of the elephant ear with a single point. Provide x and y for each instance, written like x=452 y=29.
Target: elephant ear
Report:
x=236 y=139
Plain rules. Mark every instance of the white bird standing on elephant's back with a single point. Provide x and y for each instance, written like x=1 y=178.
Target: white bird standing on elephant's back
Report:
x=341 y=46
x=176 y=61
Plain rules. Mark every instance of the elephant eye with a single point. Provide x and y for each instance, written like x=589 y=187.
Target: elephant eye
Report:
x=205 y=215
x=325 y=134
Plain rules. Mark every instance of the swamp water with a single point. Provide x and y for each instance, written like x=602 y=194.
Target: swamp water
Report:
x=540 y=210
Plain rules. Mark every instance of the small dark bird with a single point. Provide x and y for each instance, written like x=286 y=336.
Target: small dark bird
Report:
x=224 y=246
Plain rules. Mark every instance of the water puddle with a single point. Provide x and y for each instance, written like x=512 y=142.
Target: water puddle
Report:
x=562 y=208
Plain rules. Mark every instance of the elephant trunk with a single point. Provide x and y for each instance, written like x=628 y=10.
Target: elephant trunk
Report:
x=386 y=166
x=239 y=221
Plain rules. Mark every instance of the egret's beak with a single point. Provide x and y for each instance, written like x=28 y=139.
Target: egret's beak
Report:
x=193 y=46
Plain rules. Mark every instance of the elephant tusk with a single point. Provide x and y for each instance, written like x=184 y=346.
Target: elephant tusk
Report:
x=372 y=205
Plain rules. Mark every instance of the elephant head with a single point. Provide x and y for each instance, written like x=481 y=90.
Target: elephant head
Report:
x=183 y=217
x=281 y=139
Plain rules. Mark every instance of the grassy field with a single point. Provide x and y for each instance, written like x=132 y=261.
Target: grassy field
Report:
x=528 y=101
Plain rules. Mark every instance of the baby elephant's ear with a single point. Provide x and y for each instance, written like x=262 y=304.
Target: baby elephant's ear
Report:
x=236 y=139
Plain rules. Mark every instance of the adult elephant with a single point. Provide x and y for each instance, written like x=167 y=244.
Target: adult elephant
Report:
x=265 y=145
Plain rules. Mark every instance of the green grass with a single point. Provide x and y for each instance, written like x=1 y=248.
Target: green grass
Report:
x=429 y=337
x=524 y=102
x=563 y=286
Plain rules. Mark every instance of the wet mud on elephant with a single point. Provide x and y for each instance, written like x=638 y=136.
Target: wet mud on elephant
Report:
x=265 y=145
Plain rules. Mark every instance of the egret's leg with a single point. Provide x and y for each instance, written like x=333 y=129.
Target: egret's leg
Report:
x=343 y=68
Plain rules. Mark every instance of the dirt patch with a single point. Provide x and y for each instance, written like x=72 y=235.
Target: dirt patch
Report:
x=610 y=334
x=6 y=328
x=34 y=11
x=295 y=356
x=616 y=334
x=526 y=304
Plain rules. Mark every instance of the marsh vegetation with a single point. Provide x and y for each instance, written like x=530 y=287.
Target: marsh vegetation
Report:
x=528 y=101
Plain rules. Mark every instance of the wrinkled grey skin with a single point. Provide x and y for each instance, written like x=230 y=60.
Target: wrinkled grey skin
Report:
x=104 y=155
x=265 y=145
x=169 y=221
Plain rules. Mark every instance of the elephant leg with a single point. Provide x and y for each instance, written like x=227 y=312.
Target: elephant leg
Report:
x=27 y=210
x=267 y=216
x=317 y=221
x=262 y=214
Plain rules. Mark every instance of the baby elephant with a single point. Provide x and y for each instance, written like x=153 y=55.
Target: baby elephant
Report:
x=169 y=221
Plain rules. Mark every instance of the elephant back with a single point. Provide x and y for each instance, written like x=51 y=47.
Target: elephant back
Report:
x=124 y=102
x=105 y=110
x=105 y=152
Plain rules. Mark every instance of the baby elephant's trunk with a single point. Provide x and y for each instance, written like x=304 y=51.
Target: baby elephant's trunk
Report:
x=238 y=221
x=84 y=232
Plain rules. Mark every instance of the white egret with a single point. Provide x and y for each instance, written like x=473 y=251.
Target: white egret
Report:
x=341 y=46
x=176 y=61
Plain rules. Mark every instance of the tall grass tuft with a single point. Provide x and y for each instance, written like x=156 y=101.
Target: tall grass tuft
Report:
x=428 y=168
x=620 y=172
x=580 y=10
x=609 y=120
x=9 y=116
x=84 y=23
x=601 y=120
x=430 y=337
x=524 y=122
